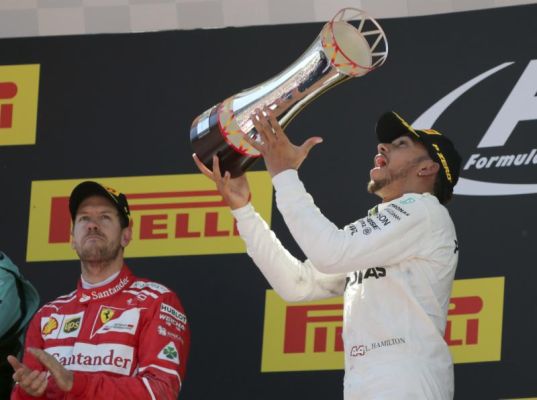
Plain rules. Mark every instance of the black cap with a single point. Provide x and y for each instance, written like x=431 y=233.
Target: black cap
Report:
x=390 y=126
x=90 y=188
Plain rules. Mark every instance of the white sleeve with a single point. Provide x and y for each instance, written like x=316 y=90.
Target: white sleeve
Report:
x=387 y=238
x=291 y=278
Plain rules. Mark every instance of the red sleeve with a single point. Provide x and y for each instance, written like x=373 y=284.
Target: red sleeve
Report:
x=164 y=342
x=33 y=339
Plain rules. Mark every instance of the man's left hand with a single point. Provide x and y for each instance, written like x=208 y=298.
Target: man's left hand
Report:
x=63 y=377
x=279 y=153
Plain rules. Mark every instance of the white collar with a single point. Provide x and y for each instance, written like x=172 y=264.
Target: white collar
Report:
x=87 y=285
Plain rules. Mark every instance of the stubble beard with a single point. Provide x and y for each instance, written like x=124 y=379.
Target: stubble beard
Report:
x=98 y=252
x=376 y=185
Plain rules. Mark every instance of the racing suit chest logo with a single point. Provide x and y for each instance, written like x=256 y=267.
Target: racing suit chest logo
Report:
x=106 y=315
x=357 y=277
x=50 y=326
x=71 y=325
x=61 y=326
x=118 y=320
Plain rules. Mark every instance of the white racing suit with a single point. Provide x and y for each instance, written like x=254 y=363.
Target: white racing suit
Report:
x=395 y=270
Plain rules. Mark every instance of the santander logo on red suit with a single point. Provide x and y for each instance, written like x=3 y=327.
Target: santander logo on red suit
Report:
x=95 y=295
x=110 y=357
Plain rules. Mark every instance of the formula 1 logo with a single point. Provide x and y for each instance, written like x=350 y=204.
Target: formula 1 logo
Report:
x=499 y=153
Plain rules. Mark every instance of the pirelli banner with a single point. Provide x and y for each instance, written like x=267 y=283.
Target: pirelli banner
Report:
x=307 y=336
x=166 y=221
x=118 y=108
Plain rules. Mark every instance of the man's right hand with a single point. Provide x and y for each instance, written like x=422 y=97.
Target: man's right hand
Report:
x=32 y=382
x=236 y=191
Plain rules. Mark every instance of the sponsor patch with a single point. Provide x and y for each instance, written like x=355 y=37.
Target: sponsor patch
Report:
x=106 y=314
x=393 y=214
x=72 y=324
x=171 y=321
x=48 y=325
x=109 y=357
x=167 y=309
x=139 y=295
x=372 y=223
x=96 y=295
x=357 y=277
x=169 y=353
x=384 y=220
x=111 y=319
x=399 y=209
x=157 y=287
x=408 y=200
x=60 y=326
x=162 y=331
x=84 y=298
x=361 y=350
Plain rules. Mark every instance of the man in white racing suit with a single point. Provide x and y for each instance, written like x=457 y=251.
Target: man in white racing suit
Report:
x=395 y=267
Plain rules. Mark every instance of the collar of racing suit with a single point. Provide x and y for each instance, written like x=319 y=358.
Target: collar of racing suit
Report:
x=103 y=292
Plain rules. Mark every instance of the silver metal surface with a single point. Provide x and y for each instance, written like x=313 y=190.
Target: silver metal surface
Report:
x=351 y=44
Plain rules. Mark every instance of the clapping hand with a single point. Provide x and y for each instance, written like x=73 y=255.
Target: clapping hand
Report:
x=35 y=382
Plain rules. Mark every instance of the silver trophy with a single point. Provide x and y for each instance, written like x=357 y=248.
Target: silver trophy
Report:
x=350 y=45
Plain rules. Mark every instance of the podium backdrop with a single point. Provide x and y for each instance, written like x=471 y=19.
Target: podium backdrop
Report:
x=118 y=108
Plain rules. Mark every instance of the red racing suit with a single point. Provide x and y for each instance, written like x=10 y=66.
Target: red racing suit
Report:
x=128 y=340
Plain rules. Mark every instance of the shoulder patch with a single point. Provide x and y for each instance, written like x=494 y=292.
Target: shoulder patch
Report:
x=168 y=309
x=169 y=353
x=407 y=200
x=157 y=287
x=66 y=295
x=64 y=299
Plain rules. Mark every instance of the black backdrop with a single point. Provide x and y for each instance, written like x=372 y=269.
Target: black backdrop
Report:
x=121 y=105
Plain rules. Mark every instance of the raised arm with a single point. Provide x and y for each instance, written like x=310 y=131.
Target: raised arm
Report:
x=292 y=279
x=383 y=240
x=390 y=236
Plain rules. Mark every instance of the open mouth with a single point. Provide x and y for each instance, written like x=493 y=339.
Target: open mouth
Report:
x=380 y=161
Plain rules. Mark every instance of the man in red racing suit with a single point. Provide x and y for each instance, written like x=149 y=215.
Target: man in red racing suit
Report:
x=121 y=337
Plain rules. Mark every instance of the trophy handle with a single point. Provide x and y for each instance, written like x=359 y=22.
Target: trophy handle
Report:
x=351 y=44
